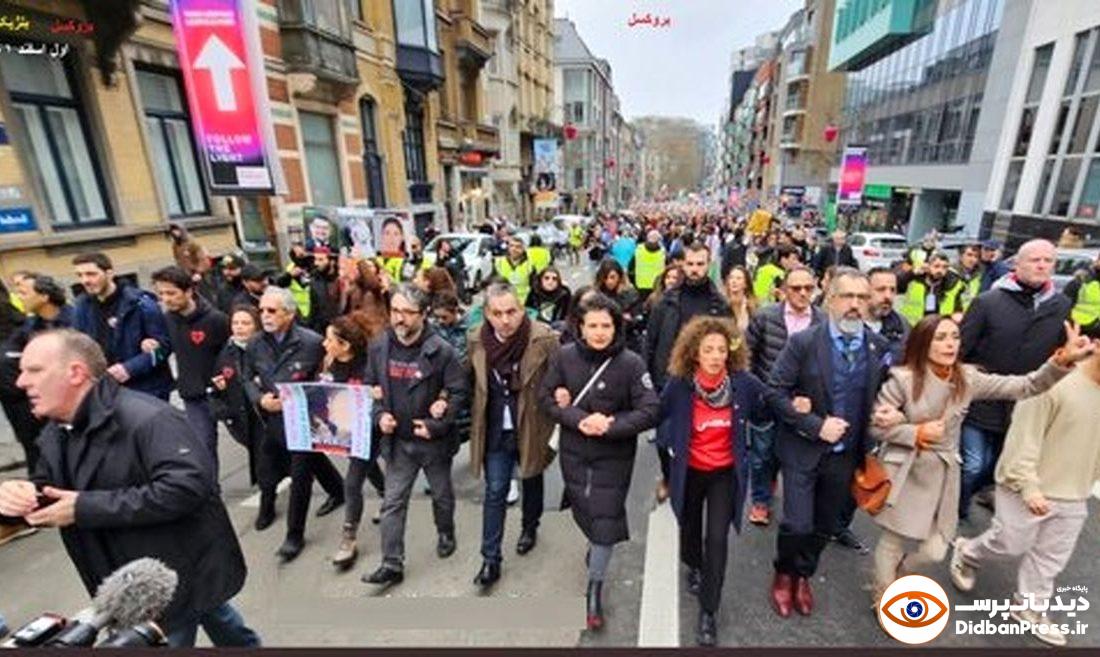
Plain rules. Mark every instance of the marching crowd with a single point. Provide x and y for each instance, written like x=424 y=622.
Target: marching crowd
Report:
x=752 y=352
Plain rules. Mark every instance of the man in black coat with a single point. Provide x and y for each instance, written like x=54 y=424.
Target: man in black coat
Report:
x=198 y=332
x=697 y=295
x=767 y=334
x=1011 y=329
x=835 y=254
x=124 y=477
x=286 y=353
x=423 y=386
x=839 y=365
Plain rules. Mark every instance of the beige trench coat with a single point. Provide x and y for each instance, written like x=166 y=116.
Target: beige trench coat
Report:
x=924 y=493
x=534 y=425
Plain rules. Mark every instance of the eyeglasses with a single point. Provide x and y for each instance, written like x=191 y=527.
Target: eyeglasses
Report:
x=801 y=288
x=269 y=311
x=404 y=312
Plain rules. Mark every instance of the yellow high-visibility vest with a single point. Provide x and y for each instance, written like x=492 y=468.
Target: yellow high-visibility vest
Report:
x=518 y=275
x=540 y=257
x=1087 y=309
x=648 y=266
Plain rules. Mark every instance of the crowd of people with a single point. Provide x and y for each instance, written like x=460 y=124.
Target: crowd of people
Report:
x=761 y=359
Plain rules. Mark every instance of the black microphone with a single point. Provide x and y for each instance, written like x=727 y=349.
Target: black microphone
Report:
x=143 y=635
x=134 y=594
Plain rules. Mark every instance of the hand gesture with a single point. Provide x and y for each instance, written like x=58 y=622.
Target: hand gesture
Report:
x=387 y=423
x=562 y=397
x=17 y=498
x=802 y=404
x=887 y=417
x=1038 y=504
x=930 y=433
x=832 y=429
x=61 y=513
x=118 y=373
x=271 y=403
x=596 y=424
x=1077 y=347
x=438 y=408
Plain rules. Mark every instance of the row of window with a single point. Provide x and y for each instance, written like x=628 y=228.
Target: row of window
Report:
x=48 y=111
x=942 y=134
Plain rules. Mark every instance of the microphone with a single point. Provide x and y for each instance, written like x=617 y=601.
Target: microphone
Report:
x=132 y=595
x=143 y=635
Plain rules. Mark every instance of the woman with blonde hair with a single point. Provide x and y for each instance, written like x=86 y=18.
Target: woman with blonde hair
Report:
x=706 y=406
x=933 y=389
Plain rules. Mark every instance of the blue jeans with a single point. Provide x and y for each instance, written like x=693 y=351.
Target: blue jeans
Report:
x=763 y=463
x=224 y=625
x=980 y=450
x=201 y=418
x=499 y=465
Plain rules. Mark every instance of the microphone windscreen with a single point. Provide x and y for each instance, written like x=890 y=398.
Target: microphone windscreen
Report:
x=137 y=592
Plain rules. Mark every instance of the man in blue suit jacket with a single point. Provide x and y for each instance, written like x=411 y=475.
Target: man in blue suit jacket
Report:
x=839 y=365
x=120 y=319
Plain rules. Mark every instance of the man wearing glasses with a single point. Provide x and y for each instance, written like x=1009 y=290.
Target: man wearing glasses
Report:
x=767 y=334
x=839 y=365
x=420 y=387
x=286 y=353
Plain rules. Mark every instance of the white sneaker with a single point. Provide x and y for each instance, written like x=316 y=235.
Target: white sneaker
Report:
x=963 y=576
x=1053 y=634
x=513 y=493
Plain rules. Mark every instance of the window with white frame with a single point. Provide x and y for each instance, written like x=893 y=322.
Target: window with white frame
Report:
x=174 y=153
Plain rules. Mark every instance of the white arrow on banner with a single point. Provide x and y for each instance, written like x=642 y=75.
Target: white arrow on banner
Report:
x=217 y=58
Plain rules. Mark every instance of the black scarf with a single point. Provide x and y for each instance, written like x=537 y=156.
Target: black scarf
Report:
x=504 y=357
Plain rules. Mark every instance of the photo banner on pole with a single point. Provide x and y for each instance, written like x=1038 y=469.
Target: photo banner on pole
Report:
x=547 y=172
x=332 y=418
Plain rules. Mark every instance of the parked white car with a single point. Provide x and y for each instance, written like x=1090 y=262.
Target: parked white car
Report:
x=877 y=249
x=477 y=255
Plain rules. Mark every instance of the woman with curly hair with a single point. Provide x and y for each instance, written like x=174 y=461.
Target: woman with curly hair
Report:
x=706 y=406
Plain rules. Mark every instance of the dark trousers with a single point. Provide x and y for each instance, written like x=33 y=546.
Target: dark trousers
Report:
x=25 y=425
x=763 y=463
x=713 y=490
x=273 y=458
x=499 y=465
x=201 y=418
x=405 y=460
x=360 y=470
x=304 y=466
x=814 y=502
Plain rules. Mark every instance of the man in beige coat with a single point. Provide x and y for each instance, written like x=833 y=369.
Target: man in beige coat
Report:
x=509 y=354
x=1050 y=463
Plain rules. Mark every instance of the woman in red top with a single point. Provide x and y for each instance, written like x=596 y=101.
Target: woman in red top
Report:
x=705 y=408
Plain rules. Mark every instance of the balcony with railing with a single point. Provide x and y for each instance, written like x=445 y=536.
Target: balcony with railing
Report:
x=316 y=39
x=473 y=42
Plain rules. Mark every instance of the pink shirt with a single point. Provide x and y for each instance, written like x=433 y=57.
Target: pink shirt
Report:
x=795 y=321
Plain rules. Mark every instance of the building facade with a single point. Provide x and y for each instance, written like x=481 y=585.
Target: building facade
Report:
x=1046 y=166
x=352 y=92
x=925 y=94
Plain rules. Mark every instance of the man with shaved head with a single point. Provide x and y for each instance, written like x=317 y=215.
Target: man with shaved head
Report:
x=1011 y=329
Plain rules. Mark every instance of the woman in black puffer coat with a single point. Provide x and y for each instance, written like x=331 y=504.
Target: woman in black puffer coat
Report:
x=599 y=434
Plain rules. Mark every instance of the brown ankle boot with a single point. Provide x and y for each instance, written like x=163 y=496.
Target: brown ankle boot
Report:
x=348 y=551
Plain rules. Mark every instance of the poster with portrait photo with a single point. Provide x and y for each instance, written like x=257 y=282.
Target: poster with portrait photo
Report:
x=331 y=418
x=392 y=231
x=320 y=224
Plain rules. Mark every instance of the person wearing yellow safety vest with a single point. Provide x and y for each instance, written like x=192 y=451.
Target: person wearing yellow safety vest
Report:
x=969 y=271
x=576 y=241
x=768 y=281
x=919 y=255
x=1084 y=291
x=414 y=261
x=515 y=268
x=539 y=255
x=647 y=264
x=296 y=279
x=930 y=290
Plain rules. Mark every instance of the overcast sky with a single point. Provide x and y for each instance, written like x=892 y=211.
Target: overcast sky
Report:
x=680 y=70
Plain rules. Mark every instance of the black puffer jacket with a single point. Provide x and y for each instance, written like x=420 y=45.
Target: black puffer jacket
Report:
x=597 y=470
x=1009 y=331
x=767 y=335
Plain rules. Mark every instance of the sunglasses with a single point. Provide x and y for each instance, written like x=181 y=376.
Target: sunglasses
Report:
x=268 y=311
x=801 y=288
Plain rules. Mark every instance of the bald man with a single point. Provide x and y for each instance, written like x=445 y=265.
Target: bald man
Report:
x=1011 y=329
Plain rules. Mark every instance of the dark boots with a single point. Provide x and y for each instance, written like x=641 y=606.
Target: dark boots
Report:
x=595 y=605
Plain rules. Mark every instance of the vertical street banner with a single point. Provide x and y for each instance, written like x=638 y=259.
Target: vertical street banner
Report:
x=223 y=71
x=547 y=172
x=853 y=171
x=332 y=418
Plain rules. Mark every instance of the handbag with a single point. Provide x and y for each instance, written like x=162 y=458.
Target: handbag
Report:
x=871 y=485
x=555 y=435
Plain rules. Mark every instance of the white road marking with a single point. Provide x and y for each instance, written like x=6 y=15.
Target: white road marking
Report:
x=659 y=618
x=253 y=501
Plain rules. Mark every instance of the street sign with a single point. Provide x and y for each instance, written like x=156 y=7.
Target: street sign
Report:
x=223 y=70
x=16 y=220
